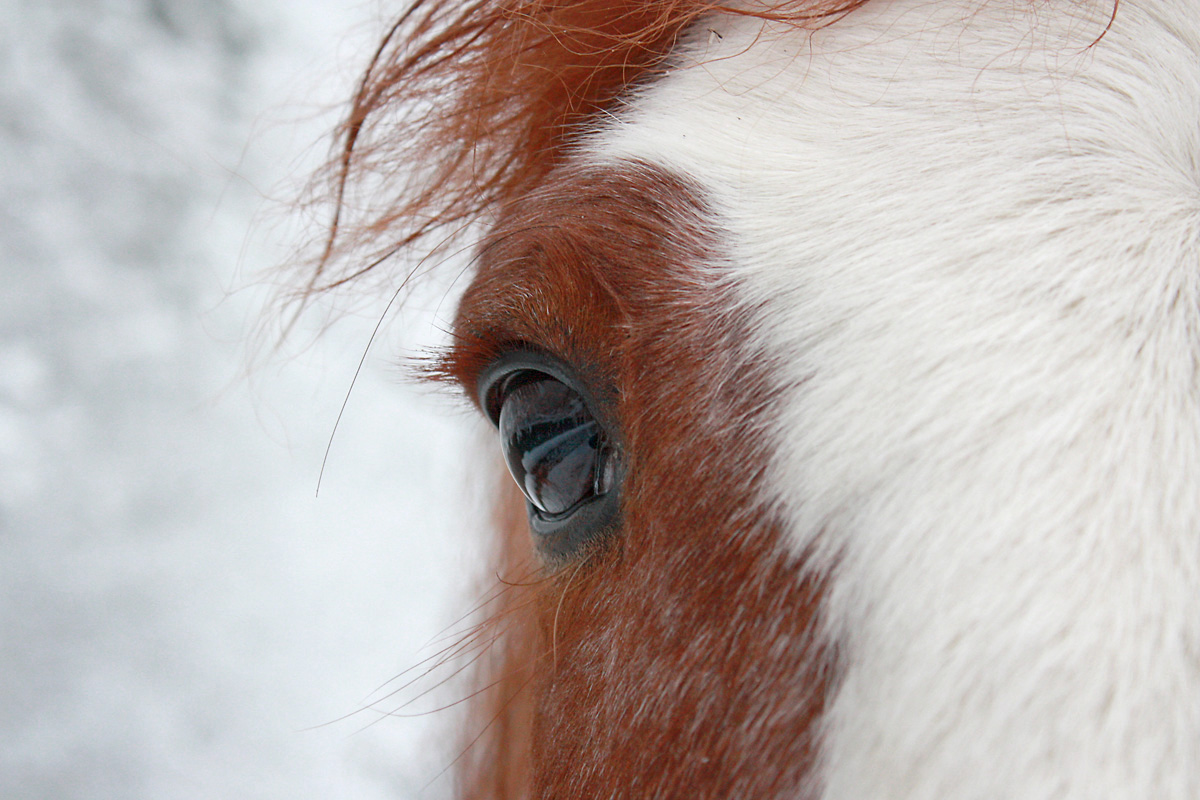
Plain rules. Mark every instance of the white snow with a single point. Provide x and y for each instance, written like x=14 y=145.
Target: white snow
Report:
x=180 y=616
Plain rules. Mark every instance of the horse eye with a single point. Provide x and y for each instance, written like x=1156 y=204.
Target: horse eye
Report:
x=559 y=454
x=554 y=448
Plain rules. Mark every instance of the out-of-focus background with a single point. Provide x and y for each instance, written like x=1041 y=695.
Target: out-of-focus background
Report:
x=180 y=615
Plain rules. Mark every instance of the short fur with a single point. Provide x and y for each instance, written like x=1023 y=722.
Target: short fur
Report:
x=681 y=656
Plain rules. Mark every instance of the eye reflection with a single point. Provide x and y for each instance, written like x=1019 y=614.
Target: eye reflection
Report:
x=554 y=447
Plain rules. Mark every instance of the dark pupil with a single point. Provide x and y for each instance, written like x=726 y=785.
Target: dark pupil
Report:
x=554 y=448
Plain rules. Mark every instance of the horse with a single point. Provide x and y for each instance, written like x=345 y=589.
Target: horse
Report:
x=844 y=356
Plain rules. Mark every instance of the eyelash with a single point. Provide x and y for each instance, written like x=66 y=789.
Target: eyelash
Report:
x=563 y=457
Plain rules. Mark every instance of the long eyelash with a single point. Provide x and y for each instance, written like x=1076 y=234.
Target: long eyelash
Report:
x=464 y=358
x=460 y=655
x=558 y=610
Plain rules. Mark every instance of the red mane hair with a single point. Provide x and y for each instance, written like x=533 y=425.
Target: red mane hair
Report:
x=487 y=94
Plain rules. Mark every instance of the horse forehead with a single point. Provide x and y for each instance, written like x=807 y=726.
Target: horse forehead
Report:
x=969 y=241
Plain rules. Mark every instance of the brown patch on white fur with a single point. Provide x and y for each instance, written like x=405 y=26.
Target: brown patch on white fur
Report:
x=679 y=658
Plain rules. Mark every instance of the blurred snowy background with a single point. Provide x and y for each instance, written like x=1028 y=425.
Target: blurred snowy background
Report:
x=179 y=615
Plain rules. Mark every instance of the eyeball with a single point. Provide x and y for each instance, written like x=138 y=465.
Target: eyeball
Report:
x=563 y=459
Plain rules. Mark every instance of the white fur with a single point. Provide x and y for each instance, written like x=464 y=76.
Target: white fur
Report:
x=973 y=244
